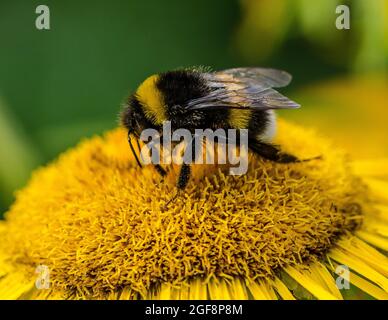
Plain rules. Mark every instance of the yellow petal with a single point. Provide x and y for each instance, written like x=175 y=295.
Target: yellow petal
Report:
x=127 y=294
x=47 y=294
x=184 y=293
x=365 y=285
x=360 y=267
x=238 y=290
x=262 y=291
x=153 y=293
x=378 y=187
x=375 y=167
x=282 y=290
x=197 y=290
x=165 y=291
x=41 y=294
x=320 y=273
x=218 y=290
x=382 y=212
x=5 y=268
x=14 y=285
x=305 y=280
x=373 y=239
x=368 y=287
x=375 y=226
x=357 y=248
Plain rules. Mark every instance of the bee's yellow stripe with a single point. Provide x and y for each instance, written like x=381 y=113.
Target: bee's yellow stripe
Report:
x=152 y=100
x=239 y=119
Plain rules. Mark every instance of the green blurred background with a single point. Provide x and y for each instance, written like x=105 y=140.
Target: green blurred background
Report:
x=60 y=85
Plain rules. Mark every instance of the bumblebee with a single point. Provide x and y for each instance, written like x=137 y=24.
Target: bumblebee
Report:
x=239 y=98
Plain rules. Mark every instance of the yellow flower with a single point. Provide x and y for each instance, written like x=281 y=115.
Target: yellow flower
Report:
x=352 y=111
x=102 y=228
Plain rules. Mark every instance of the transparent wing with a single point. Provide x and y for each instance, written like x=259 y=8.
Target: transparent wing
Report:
x=272 y=77
x=245 y=88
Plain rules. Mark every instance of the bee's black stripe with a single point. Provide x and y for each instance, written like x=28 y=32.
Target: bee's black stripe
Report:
x=180 y=86
x=258 y=123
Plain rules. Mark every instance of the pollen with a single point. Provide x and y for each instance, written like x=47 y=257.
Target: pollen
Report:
x=101 y=224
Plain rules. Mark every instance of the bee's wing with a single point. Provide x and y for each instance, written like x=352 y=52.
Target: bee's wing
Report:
x=271 y=77
x=245 y=88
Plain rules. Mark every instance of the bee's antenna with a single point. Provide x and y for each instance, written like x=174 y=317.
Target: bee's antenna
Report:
x=313 y=158
x=138 y=146
x=133 y=150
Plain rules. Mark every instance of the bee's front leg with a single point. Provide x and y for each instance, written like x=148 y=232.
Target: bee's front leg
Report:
x=160 y=170
x=157 y=166
x=183 y=179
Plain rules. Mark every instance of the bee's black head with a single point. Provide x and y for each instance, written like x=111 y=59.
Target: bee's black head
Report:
x=134 y=120
x=133 y=117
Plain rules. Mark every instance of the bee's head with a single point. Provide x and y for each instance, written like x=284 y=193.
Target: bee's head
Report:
x=133 y=117
x=146 y=107
x=134 y=120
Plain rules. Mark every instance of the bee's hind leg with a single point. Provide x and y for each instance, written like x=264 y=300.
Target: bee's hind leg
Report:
x=273 y=153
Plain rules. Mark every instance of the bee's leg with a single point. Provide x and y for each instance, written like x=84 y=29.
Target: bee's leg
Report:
x=160 y=170
x=157 y=167
x=183 y=179
x=184 y=176
x=273 y=153
x=185 y=171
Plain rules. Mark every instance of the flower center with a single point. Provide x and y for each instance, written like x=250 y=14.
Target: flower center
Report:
x=100 y=223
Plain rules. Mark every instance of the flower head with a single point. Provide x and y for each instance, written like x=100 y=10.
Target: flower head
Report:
x=104 y=227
